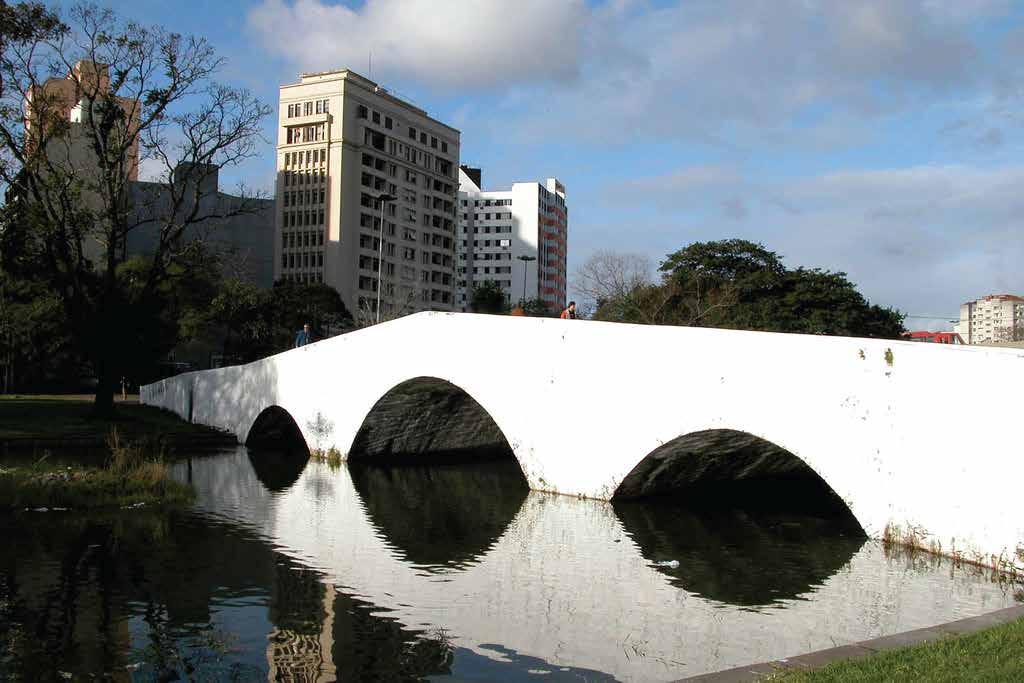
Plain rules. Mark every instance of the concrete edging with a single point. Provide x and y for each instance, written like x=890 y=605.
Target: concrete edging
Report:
x=865 y=648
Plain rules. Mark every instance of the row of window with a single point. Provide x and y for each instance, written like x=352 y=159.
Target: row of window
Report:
x=369 y=284
x=299 y=240
x=297 y=134
x=313 y=177
x=383 y=143
x=488 y=229
x=301 y=219
x=363 y=112
x=487 y=202
x=309 y=156
x=307 y=108
x=305 y=259
x=303 y=198
x=488 y=216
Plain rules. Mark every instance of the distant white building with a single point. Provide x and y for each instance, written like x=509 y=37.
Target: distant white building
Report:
x=497 y=228
x=991 y=319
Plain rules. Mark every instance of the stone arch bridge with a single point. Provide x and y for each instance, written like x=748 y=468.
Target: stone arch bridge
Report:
x=917 y=439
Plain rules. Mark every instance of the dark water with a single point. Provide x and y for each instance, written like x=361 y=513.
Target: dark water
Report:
x=284 y=572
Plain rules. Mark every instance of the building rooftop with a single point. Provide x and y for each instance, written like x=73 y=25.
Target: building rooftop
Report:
x=350 y=75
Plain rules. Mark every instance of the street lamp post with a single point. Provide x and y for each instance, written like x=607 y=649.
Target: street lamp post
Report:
x=380 y=245
x=525 y=259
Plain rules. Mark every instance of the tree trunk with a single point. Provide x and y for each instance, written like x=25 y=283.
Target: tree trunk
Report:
x=103 y=404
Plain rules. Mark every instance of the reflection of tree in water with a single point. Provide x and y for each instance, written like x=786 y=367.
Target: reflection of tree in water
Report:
x=736 y=556
x=71 y=586
x=441 y=515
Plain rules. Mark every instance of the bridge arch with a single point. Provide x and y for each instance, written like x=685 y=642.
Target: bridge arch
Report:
x=728 y=467
x=428 y=418
x=277 y=449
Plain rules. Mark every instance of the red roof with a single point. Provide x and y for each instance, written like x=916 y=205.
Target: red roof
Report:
x=936 y=337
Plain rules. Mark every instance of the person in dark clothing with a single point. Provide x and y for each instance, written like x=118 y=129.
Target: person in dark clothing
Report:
x=304 y=336
x=570 y=312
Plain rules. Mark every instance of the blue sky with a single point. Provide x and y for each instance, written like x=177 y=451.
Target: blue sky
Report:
x=883 y=138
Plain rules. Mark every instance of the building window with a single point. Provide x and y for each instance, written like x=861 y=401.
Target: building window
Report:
x=308 y=107
x=444 y=147
x=387 y=122
x=376 y=117
x=361 y=112
x=423 y=138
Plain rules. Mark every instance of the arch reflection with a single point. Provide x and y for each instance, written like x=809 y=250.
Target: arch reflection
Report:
x=277 y=451
x=740 y=557
x=441 y=515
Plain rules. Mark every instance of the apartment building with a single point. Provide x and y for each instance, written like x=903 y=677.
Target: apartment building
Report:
x=497 y=228
x=991 y=319
x=343 y=143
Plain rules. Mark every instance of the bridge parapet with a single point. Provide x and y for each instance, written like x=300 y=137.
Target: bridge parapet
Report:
x=912 y=436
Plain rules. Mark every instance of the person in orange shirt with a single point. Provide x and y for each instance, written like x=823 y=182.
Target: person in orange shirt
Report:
x=570 y=312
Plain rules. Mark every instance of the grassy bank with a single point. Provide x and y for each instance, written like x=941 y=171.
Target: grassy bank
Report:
x=995 y=654
x=30 y=423
x=132 y=475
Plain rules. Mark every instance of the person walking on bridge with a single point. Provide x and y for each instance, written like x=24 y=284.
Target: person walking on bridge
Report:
x=570 y=312
x=304 y=336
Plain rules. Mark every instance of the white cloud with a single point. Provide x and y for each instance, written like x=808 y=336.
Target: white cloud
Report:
x=442 y=43
x=923 y=238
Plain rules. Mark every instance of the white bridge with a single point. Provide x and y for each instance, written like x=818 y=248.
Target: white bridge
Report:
x=917 y=439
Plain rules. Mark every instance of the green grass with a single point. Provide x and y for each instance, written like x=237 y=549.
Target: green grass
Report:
x=995 y=654
x=89 y=488
x=66 y=421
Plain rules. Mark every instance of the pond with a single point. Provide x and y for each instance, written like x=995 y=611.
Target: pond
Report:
x=288 y=570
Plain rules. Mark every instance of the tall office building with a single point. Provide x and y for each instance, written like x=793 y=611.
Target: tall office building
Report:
x=994 y=318
x=343 y=142
x=498 y=228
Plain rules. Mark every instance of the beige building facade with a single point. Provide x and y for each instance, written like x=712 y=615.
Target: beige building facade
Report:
x=996 y=318
x=343 y=142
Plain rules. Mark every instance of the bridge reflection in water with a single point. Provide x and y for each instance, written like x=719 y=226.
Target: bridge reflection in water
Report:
x=494 y=575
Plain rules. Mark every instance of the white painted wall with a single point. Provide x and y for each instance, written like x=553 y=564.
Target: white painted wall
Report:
x=595 y=398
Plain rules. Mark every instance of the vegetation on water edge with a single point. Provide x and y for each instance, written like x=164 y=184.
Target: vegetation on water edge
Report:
x=133 y=475
x=995 y=654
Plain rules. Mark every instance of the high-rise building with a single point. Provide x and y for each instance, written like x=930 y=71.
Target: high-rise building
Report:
x=343 y=142
x=994 y=318
x=497 y=229
x=68 y=105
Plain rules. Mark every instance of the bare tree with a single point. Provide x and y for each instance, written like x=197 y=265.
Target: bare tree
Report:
x=609 y=275
x=83 y=103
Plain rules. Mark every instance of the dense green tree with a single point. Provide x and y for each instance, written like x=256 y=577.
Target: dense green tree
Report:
x=294 y=304
x=741 y=285
x=488 y=297
x=154 y=97
x=536 y=308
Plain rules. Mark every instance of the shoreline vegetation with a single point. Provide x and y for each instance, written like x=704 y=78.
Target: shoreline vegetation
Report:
x=56 y=456
x=133 y=476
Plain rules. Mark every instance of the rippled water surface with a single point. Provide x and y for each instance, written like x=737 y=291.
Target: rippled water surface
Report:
x=311 y=573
